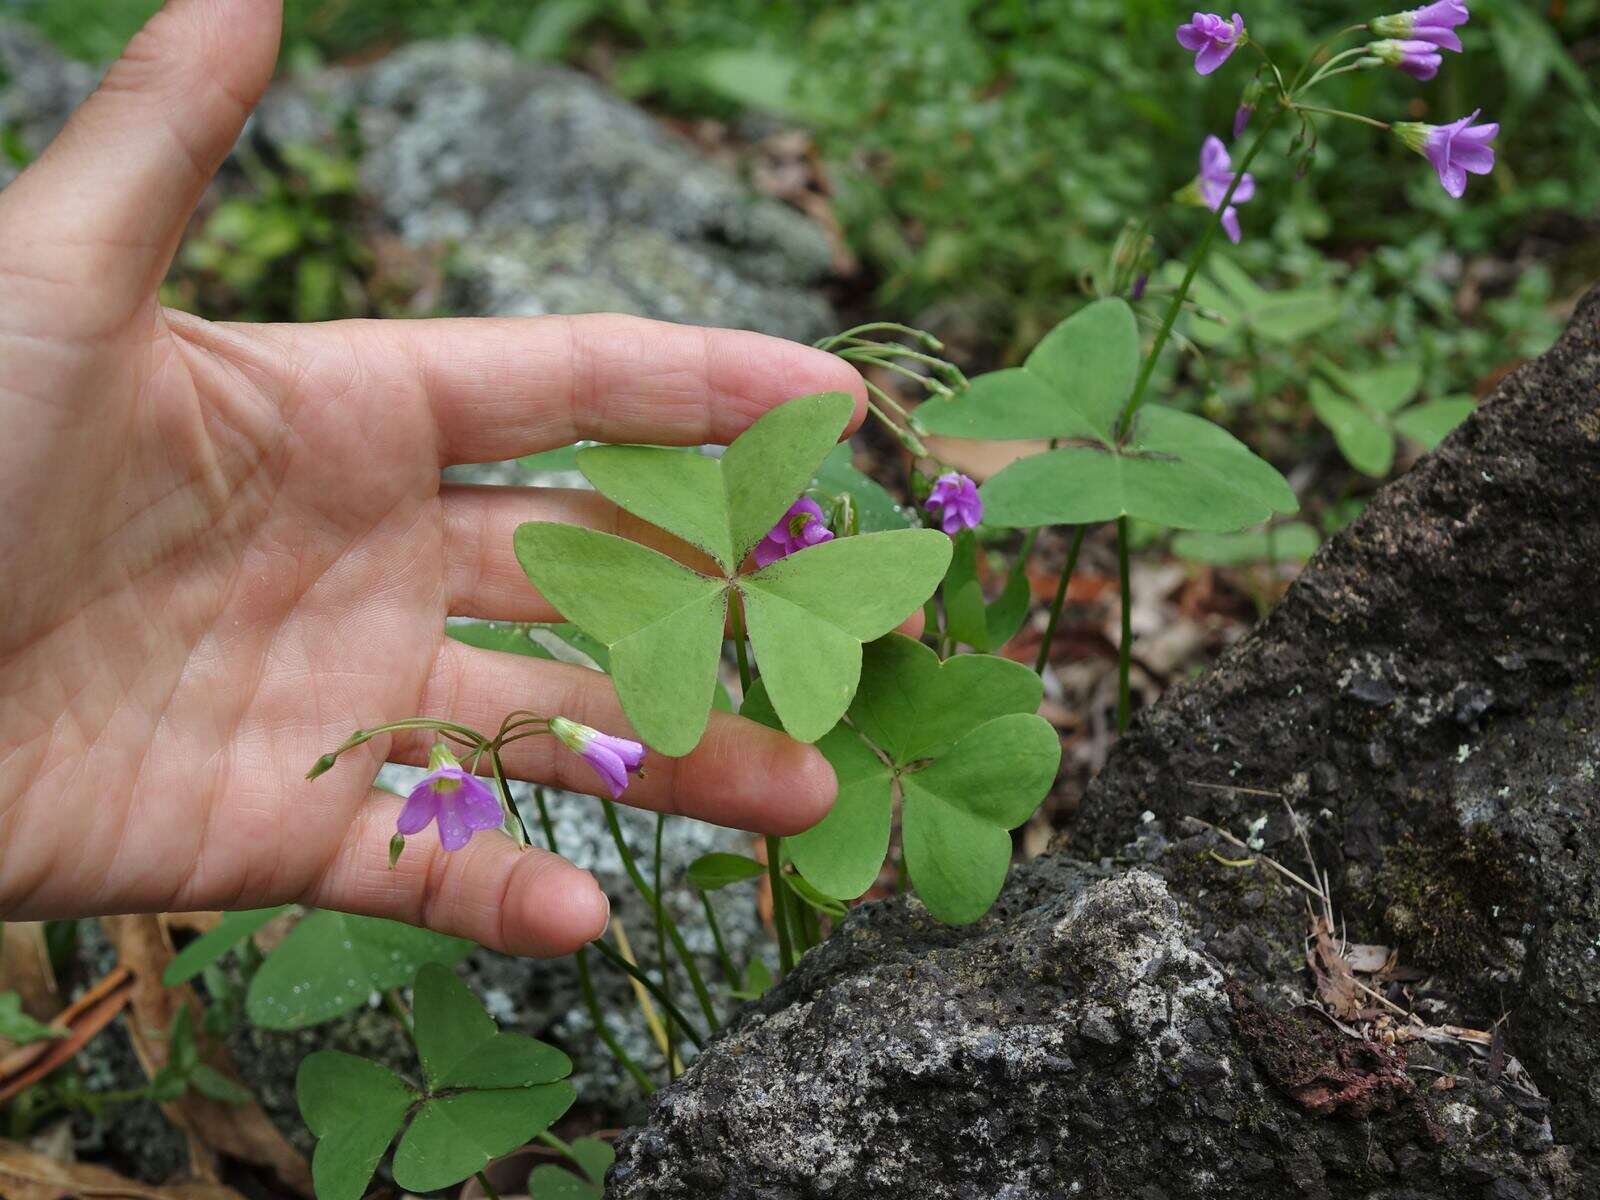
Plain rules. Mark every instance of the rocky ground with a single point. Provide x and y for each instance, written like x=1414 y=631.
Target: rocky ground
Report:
x=1411 y=737
x=1418 y=720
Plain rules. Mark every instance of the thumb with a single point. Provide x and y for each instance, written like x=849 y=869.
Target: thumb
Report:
x=104 y=207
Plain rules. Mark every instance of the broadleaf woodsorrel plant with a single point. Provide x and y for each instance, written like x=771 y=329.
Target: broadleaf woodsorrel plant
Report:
x=801 y=560
x=1113 y=456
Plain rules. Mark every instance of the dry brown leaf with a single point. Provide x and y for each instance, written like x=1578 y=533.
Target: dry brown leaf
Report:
x=1336 y=984
x=977 y=458
x=28 y=1175
x=241 y=1131
x=82 y=1019
x=25 y=969
x=1370 y=960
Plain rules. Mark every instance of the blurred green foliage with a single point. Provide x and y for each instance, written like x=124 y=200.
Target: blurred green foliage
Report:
x=285 y=247
x=985 y=153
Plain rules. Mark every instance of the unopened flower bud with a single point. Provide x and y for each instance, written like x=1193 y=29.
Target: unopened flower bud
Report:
x=1435 y=24
x=1418 y=59
x=613 y=758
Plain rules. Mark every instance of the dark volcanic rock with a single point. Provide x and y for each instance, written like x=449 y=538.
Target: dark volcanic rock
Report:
x=1461 y=820
x=1078 y=1042
x=1423 y=700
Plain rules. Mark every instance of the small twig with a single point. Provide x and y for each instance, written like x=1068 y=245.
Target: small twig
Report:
x=1228 y=787
x=1243 y=845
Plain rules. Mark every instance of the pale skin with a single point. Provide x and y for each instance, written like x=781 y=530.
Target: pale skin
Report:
x=225 y=547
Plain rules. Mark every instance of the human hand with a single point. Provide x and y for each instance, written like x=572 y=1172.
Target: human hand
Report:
x=227 y=546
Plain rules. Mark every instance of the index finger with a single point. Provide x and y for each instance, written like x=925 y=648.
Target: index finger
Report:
x=501 y=388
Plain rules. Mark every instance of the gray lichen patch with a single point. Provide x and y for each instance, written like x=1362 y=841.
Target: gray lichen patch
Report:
x=1076 y=1043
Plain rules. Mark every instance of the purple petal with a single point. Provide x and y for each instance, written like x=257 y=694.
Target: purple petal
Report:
x=814 y=534
x=608 y=766
x=1212 y=56
x=1246 y=190
x=453 y=830
x=630 y=752
x=1420 y=66
x=768 y=551
x=1230 y=225
x=1448 y=13
x=1192 y=37
x=1445 y=39
x=479 y=808
x=1477 y=159
x=420 y=808
x=1214 y=160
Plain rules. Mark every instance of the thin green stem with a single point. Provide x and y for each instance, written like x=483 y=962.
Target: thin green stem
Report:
x=906 y=437
x=555 y=1143
x=1178 y=297
x=742 y=655
x=651 y=986
x=591 y=1000
x=928 y=383
x=1311 y=58
x=921 y=335
x=780 y=916
x=459 y=734
x=645 y=890
x=1267 y=58
x=780 y=910
x=883 y=351
x=729 y=974
x=1060 y=601
x=810 y=925
x=488 y=1188
x=1125 y=650
x=398 y=1007
x=661 y=932
x=1324 y=69
x=1335 y=74
x=1342 y=115
x=520 y=829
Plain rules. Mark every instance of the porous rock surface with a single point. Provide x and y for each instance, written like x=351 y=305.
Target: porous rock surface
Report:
x=1425 y=694
x=1423 y=701
x=537 y=190
x=555 y=196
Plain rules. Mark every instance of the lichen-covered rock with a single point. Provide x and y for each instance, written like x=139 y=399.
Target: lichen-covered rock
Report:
x=38 y=90
x=1423 y=703
x=541 y=191
x=557 y=196
x=1425 y=697
x=1078 y=1042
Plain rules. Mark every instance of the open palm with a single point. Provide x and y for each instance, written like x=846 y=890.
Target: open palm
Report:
x=227 y=546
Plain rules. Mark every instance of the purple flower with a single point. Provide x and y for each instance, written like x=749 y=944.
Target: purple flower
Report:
x=460 y=802
x=954 y=499
x=1418 y=59
x=1241 y=119
x=801 y=526
x=1454 y=150
x=1435 y=24
x=613 y=758
x=1212 y=39
x=1137 y=291
x=1216 y=176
